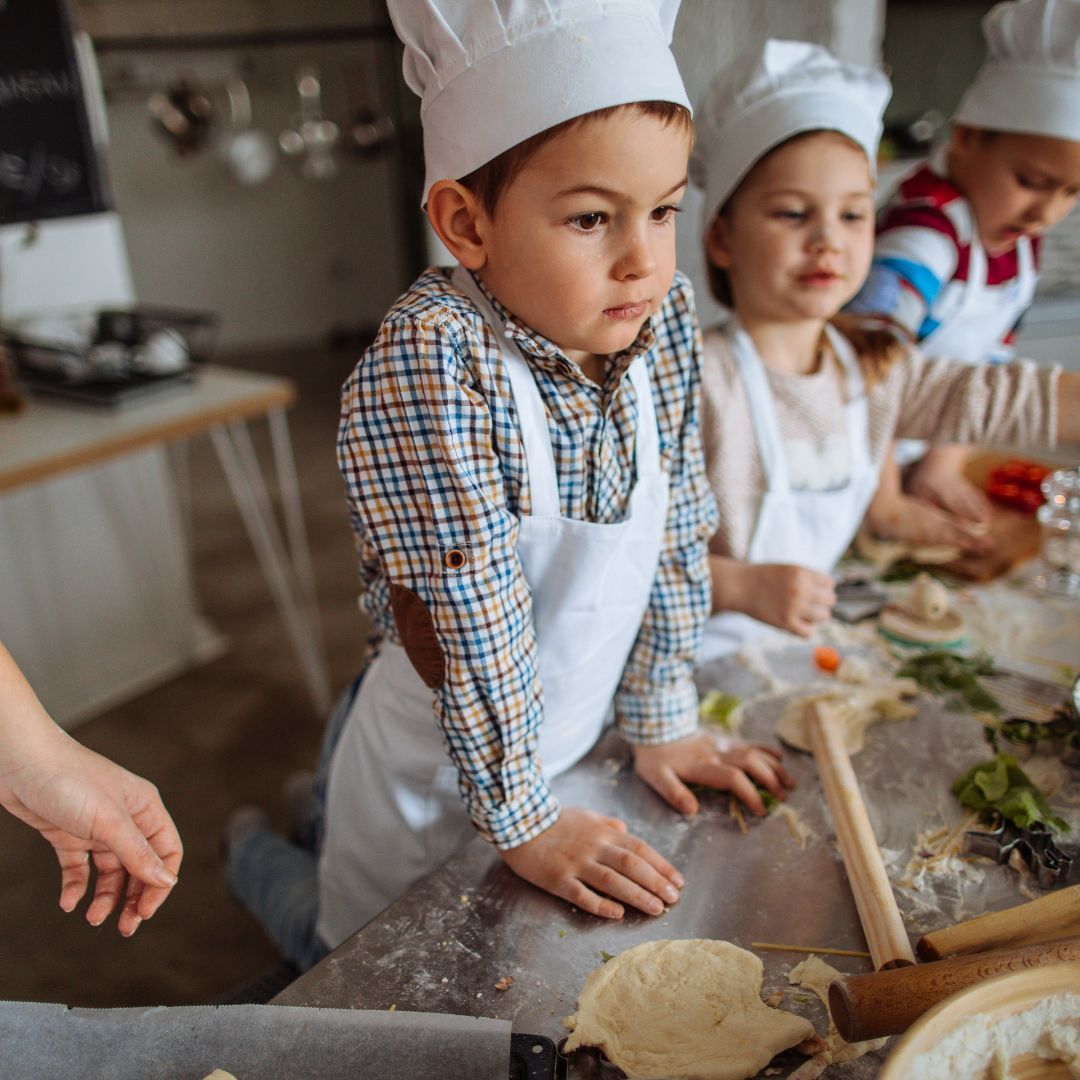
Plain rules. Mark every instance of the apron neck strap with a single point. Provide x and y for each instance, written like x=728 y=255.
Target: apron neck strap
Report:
x=532 y=415
x=762 y=413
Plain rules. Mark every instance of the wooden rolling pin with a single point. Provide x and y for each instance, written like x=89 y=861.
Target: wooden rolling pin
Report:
x=888 y=1002
x=1052 y=916
x=882 y=926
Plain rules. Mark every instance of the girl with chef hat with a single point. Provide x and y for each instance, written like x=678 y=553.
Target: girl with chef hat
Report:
x=799 y=405
x=521 y=452
x=957 y=253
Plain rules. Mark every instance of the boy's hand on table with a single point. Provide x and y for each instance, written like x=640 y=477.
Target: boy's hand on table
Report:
x=592 y=861
x=793 y=598
x=699 y=759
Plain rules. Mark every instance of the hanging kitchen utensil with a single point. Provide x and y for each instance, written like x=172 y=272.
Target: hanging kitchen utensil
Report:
x=183 y=115
x=315 y=137
x=368 y=132
x=249 y=155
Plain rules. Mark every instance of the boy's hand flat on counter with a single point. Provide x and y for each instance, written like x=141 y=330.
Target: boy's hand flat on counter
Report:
x=699 y=759
x=592 y=861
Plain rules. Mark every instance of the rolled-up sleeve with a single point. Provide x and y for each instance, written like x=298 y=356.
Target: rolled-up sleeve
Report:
x=425 y=485
x=946 y=401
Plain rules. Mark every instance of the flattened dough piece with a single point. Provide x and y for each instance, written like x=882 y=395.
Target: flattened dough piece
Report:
x=685 y=1010
x=855 y=707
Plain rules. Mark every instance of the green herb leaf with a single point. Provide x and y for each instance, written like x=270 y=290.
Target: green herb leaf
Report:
x=716 y=708
x=606 y=956
x=1002 y=786
x=954 y=677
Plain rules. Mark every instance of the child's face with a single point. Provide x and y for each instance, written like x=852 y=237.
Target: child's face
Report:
x=1017 y=184
x=582 y=244
x=797 y=236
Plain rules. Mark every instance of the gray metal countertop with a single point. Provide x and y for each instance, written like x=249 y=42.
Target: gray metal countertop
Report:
x=446 y=943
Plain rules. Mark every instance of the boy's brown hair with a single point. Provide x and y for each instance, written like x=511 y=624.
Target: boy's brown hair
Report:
x=878 y=343
x=492 y=178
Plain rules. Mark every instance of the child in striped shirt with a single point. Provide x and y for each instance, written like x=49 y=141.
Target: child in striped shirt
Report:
x=956 y=257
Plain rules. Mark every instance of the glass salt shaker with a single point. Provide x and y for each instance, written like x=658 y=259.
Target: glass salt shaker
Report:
x=1059 y=518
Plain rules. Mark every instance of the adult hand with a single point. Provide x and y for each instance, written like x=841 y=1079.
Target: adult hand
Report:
x=87 y=807
x=91 y=809
x=592 y=861
x=701 y=759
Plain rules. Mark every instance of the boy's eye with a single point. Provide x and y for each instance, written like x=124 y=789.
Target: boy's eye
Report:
x=790 y=215
x=1030 y=182
x=855 y=215
x=588 y=222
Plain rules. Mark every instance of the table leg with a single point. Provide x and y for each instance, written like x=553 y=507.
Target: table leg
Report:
x=232 y=444
x=289 y=488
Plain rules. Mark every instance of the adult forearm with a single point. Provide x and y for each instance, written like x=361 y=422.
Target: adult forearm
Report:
x=25 y=727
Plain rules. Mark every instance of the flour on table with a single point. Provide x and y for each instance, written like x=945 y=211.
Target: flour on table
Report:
x=685 y=1010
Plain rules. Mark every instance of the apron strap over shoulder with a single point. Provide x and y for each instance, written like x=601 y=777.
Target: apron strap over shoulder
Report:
x=532 y=416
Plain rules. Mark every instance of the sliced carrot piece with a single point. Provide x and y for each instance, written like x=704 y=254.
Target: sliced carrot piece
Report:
x=826 y=658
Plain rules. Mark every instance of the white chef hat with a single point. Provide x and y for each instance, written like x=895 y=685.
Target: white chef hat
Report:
x=766 y=98
x=492 y=73
x=1030 y=81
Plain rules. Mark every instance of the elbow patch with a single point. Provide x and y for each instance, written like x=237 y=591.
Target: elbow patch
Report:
x=416 y=628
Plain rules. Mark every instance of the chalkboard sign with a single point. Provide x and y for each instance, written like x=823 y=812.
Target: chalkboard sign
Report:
x=48 y=164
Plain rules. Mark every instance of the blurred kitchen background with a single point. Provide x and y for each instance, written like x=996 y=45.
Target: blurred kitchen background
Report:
x=264 y=163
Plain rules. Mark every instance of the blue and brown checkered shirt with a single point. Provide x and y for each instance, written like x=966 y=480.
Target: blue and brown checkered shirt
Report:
x=432 y=457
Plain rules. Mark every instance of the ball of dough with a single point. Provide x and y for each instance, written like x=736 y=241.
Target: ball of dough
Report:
x=927 y=599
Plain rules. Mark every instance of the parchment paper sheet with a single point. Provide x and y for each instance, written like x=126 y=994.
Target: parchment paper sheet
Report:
x=254 y=1042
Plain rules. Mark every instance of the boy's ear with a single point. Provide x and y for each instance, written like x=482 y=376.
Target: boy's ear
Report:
x=454 y=211
x=962 y=138
x=718 y=244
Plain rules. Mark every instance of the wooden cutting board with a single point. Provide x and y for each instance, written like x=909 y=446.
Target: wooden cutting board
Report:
x=1016 y=535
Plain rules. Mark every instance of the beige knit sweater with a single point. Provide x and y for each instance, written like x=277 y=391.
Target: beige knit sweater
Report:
x=919 y=398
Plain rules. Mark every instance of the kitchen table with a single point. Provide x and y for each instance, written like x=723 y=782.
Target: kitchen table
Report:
x=448 y=942
x=49 y=439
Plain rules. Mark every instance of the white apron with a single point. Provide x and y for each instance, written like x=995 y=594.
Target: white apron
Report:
x=979 y=322
x=802 y=528
x=394 y=812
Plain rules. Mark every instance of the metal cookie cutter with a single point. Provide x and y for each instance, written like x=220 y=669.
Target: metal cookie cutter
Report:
x=1049 y=864
x=858 y=598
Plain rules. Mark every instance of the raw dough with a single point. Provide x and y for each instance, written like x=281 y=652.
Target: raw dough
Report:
x=927 y=599
x=856 y=708
x=815 y=975
x=220 y=1074
x=685 y=1010
x=881 y=554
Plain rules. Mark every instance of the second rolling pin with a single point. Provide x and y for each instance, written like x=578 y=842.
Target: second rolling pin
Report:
x=1052 y=916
